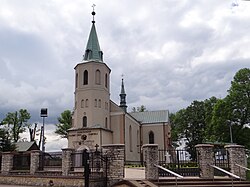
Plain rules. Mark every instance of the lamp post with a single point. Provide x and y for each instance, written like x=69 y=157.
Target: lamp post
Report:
x=44 y=114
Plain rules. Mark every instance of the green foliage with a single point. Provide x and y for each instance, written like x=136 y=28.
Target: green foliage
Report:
x=5 y=141
x=234 y=111
x=65 y=123
x=17 y=122
x=141 y=108
x=190 y=124
x=209 y=120
x=239 y=98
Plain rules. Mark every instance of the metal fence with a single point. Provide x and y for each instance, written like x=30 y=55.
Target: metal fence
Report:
x=221 y=159
x=53 y=159
x=93 y=163
x=21 y=161
x=178 y=161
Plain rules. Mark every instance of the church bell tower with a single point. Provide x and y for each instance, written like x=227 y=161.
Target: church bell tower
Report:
x=92 y=95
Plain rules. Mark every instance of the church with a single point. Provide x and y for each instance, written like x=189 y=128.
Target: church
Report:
x=97 y=120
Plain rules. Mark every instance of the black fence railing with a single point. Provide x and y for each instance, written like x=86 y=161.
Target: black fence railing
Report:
x=178 y=161
x=21 y=161
x=93 y=163
x=52 y=159
x=221 y=159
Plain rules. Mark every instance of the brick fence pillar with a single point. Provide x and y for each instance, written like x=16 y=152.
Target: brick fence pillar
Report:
x=7 y=163
x=205 y=158
x=34 y=161
x=116 y=155
x=150 y=152
x=237 y=155
x=66 y=161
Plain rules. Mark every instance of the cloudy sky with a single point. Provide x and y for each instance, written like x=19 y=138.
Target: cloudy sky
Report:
x=171 y=51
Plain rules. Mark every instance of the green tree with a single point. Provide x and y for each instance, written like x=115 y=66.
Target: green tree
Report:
x=234 y=111
x=6 y=143
x=65 y=123
x=17 y=122
x=141 y=108
x=209 y=105
x=239 y=97
x=190 y=124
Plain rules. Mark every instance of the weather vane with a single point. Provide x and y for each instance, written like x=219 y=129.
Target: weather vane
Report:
x=93 y=13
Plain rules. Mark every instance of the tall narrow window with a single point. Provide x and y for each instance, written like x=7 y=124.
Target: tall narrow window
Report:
x=98 y=77
x=99 y=103
x=95 y=102
x=87 y=103
x=84 y=121
x=151 y=137
x=76 y=80
x=106 y=123
x=85 y=77
x=82 y=103
x=106 y=80
x=130 y=138
x=138 y=141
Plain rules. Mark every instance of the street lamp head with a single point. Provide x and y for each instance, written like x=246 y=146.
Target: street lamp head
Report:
x=44 y=112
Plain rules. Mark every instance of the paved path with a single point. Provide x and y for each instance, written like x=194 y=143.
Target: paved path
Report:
x=130 y=173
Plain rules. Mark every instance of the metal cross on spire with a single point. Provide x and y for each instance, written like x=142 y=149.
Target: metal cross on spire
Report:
x=93 y=13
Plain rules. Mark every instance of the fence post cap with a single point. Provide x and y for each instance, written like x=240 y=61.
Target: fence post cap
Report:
x=204 y=145
x=234 y=146
x=149 y=145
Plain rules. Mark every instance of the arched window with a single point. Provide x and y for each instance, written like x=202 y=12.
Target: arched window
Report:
x=76 y=80
x=82 y=103
x=151 y=137
x=85 y=77
x=99 y=103
x=84 y=121
x=98 y=77
x=130 y=138
x=87 y=103
x=106 y=80
x=95 y=102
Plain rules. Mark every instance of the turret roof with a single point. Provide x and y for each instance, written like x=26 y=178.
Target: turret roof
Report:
x=93 y=51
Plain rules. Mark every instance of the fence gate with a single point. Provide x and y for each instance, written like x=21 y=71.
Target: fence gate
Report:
x=95 y=168
x=179 y=161
x=221 y=160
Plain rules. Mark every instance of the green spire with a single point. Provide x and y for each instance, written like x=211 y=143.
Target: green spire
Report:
x=93 y=51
